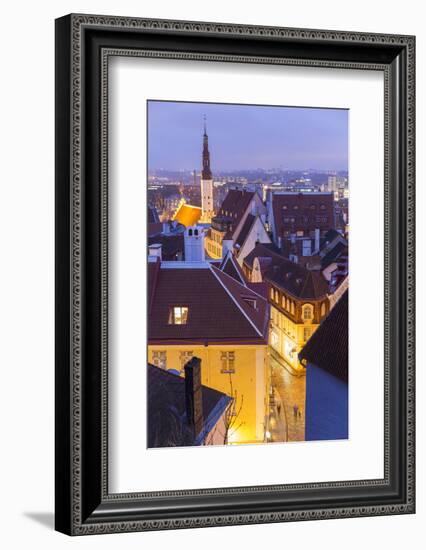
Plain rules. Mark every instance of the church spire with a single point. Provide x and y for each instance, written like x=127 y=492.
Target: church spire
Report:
x=206 y=172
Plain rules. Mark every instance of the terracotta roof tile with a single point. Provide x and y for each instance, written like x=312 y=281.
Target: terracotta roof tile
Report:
x=289 y=276
x=245 y=230
x=217 y=306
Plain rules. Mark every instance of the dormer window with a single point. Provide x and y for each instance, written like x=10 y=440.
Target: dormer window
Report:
x=251 y=302
x=178 y=315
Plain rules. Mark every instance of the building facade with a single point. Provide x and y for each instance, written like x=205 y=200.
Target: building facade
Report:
x=298 y=301
x=200 y=311
x=298 y=221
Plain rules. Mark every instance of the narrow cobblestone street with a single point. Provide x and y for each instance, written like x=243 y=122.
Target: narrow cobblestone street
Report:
x=289 y=399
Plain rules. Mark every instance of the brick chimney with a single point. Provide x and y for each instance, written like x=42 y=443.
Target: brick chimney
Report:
x=193 y=395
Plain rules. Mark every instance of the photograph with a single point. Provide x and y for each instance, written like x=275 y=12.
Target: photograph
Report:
x=248 y=273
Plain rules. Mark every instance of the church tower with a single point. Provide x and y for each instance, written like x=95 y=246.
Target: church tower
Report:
x=206 y=182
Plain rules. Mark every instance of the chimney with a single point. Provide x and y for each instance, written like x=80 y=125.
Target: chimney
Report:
x=154 y=252
x=317 y=240
x=193 y=395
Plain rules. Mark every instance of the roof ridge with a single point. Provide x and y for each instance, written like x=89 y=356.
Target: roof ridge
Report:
x=306 y=281
x=212 y=269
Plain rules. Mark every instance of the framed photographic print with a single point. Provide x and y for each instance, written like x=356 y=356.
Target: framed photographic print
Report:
x=234 y=274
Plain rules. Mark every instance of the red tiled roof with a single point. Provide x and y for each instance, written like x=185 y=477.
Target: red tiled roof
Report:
x=220 y=308
x=231 y=267
x=259 y=288
x=302 y=212
x=245 y=230
x=253 y=305
x=235 y=205
x=289 y=276
x=261 y=250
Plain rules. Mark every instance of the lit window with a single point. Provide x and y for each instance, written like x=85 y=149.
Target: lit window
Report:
x=323 y=309
x=227 y=359
x=292 y=308
x=307 y=312
x=178 y=315
x=159 y=359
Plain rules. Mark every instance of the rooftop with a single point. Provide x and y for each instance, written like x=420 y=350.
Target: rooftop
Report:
x=328 y=346
x=187 y=214
x=220 y=309
x=293 y=278
x=167 y=418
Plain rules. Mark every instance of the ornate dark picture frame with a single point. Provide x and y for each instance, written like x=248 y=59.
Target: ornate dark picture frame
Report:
x=83 y=45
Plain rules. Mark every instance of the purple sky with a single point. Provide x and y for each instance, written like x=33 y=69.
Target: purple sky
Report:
x=246 y=136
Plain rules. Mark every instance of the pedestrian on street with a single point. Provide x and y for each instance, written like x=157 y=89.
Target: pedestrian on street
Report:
x=279 y=409
x=300 y=414
x=295 y=410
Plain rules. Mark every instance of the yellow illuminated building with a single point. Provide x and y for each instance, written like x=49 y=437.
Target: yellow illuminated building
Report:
x=293 y=321
x=241 y=371
x=213 y=242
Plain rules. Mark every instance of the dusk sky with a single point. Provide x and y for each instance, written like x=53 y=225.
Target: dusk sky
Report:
x=246 y=136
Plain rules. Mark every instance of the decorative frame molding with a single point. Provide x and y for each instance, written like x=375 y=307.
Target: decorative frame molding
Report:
x=84 y=43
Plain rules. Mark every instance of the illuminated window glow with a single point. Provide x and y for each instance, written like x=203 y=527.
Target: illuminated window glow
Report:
x=178 y=315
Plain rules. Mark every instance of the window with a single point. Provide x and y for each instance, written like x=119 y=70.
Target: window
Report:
x=196 y=232
x=227 y=359
x=323 y=309
x=292 y=308
x=184 y=357
x=251 y=302
x=307 y=312
x=159 y=359
x=178 y=315
x=306 y=334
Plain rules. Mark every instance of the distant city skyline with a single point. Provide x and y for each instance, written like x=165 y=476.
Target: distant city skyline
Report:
x=246 y=137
